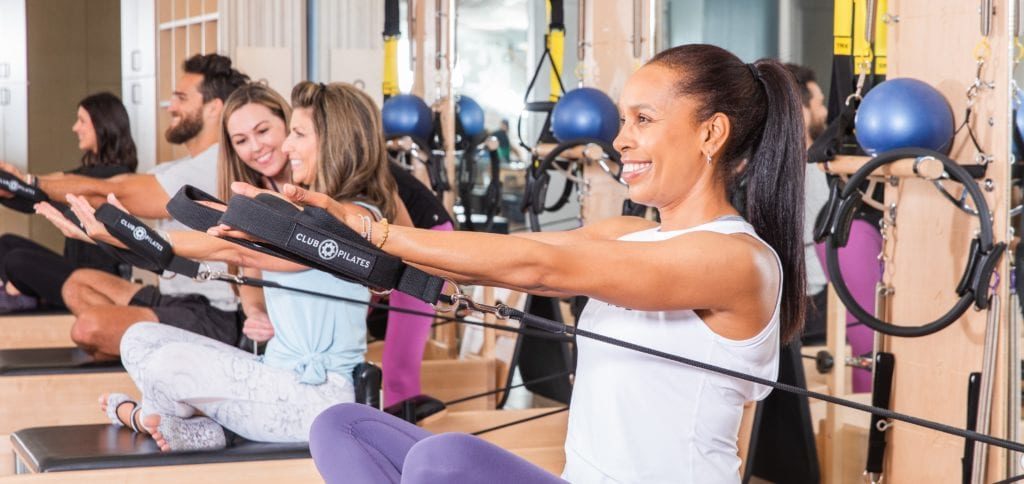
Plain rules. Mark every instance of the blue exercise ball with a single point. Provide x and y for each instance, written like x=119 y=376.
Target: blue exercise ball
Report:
x=471 y=116
x=585 y=113
x=407 y=115
x=904 y=113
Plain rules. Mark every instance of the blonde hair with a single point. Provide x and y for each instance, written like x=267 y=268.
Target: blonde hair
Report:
x=353 y=161
x=231 y=168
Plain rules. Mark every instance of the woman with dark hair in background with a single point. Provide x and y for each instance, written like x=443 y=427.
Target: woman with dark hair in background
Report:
x=31 y=274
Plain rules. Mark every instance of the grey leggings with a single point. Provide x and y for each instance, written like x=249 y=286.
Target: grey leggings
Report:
x=185 y=374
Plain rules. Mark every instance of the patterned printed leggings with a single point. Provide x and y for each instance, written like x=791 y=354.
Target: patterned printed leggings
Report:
x=185 y=374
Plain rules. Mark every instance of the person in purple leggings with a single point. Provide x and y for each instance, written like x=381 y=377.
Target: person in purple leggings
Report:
x=706 y=283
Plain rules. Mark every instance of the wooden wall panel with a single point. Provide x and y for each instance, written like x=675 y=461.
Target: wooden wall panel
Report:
x=251 y=28
x=933 y=41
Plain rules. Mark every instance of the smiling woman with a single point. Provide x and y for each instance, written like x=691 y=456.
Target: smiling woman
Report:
x=697 y=122
x=256 y=123
x=30 y=274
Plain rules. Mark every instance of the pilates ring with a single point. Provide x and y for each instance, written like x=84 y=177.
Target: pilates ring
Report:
x=538 y=178
x=973 y=288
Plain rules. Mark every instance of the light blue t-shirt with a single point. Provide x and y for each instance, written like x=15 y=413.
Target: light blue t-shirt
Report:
x=315 y=335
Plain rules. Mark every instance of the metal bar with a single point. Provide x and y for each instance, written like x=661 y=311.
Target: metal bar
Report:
x=638 y=26
x=985 y=10
x=581 y=31
x=438 y=24
x=869 y=24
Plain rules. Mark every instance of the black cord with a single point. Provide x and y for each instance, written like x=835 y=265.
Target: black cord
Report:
x=1012 y=479
x=517 y=422
x=507 y=388
x=560 y=330
x=881 y=412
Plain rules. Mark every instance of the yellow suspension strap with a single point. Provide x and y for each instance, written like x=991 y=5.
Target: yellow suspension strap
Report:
x=391 y=35
x=556 y=46
x=858 y=63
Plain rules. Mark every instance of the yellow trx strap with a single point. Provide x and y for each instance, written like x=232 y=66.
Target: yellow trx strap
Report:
x=390 y=66
x=850 y=37
x=556 y=45
x=850 y=34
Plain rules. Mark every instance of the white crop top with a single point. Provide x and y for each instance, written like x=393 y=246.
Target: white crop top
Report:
x=639 y=418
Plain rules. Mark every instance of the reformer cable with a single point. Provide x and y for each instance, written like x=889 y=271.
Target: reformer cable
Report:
x=557 y=329
x=520 y=421
x=510 y=387
x=554 y=327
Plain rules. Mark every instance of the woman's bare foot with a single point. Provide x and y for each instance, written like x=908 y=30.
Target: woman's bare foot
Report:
x=176 y=433
x=123 y=412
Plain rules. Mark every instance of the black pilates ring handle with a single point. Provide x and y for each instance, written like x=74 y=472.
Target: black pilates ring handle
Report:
x=973 y=287
x=538 y=179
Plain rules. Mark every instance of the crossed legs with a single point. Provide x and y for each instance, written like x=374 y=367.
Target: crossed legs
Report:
x=100 y=302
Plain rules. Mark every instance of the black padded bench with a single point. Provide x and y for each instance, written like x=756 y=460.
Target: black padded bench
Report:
x=51 y=361
x=105 y=446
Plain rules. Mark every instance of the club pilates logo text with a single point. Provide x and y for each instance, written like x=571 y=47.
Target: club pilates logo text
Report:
x=140 y=233
x=328 y=250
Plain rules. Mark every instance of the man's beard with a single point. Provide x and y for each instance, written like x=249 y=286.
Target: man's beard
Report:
x=816 y=129
x=187 y=128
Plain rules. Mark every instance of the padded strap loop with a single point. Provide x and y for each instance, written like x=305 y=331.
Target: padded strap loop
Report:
x=146 y=248
x=184 y=207
x=25 y=195
x=315 y=238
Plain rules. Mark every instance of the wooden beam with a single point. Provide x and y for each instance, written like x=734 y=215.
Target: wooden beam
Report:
x=43 y=400
x=35 y=331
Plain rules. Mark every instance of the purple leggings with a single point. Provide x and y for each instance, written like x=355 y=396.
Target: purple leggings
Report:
x=356 y=443
x=861 y=270
x=404 y=341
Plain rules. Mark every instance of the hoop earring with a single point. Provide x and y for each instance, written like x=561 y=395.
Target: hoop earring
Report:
x=707 y=158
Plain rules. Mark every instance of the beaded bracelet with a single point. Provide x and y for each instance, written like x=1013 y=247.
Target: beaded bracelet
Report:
x=387 y=230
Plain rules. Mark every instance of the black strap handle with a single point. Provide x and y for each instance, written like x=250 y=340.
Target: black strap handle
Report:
x=313 y=237
x=881 y=393
x=153 y=251
x=25 y=195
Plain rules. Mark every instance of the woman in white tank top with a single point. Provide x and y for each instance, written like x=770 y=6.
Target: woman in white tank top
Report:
x=699 y=127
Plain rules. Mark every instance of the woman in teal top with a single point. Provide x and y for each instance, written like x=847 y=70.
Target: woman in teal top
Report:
x=310 y=347
x=194 y=387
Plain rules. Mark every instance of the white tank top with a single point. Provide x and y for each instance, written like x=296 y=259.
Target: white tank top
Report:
x=639 y=418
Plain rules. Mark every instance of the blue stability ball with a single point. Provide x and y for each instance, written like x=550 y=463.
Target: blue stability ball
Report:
x=407 y=115
x=585 y=113
x=904 y=113
x=471 y=116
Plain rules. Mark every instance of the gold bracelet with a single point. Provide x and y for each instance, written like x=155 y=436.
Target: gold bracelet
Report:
x=387 y=230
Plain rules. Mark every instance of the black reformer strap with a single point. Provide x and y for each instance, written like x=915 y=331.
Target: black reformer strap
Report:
x=556 y=328
x=973 y=287
x=543 y=325
x=312 y=237
x=973 y=396
x=144 y=242
x=881 y=392
x=184 y=206
x=121 y=255
x=25 y=195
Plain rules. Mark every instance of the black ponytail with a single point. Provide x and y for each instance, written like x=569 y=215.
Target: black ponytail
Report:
x=764 y=156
